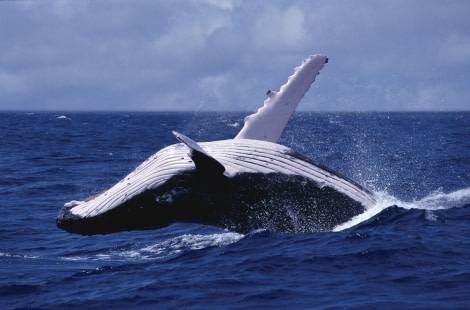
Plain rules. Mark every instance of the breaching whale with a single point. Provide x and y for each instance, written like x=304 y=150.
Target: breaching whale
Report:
x=241 y=184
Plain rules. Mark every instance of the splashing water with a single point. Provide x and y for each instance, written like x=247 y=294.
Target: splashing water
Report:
x=188 y=242
x=437 y=200
x=164 y=249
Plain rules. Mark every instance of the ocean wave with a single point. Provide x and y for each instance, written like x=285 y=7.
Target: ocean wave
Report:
x=437 y=200
x=161 y=250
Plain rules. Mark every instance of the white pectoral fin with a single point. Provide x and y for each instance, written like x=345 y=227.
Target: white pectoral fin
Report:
x=269 y=121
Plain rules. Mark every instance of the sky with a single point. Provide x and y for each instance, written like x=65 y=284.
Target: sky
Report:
x=224 y=55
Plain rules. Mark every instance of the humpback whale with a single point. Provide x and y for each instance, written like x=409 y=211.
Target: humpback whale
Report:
x=242 y=184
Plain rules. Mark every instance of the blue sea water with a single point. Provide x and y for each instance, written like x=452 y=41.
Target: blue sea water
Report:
x=412 y=251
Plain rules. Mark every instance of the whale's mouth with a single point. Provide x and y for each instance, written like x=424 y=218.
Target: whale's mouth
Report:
x=131 y=215
x=103 y=224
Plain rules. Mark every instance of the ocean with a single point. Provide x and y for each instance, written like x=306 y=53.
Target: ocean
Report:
x=411 y=251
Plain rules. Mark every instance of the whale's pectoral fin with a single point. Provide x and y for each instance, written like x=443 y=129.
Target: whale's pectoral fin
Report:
x=269 y=121
x=204 y=162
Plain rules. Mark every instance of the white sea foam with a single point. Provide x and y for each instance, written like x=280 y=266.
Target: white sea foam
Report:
x=10 y=255
x=383 y=201
x=163 y=249
x=437 y=200
x=185 y=242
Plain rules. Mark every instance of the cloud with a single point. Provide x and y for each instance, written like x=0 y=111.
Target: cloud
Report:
x=222 y=4
x=225 y=55
x=457 y=49
x=11 y=84
x=279 y=29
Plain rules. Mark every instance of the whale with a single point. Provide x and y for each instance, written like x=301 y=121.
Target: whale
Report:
x=242 y=184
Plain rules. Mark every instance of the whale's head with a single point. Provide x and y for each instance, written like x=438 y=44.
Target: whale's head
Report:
x=141 y=211
x=164 y=189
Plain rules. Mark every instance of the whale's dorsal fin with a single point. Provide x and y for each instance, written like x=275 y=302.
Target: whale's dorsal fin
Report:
x=204 y=162
x=269 y=121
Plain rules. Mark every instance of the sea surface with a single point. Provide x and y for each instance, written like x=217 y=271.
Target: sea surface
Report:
x=411 y=251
